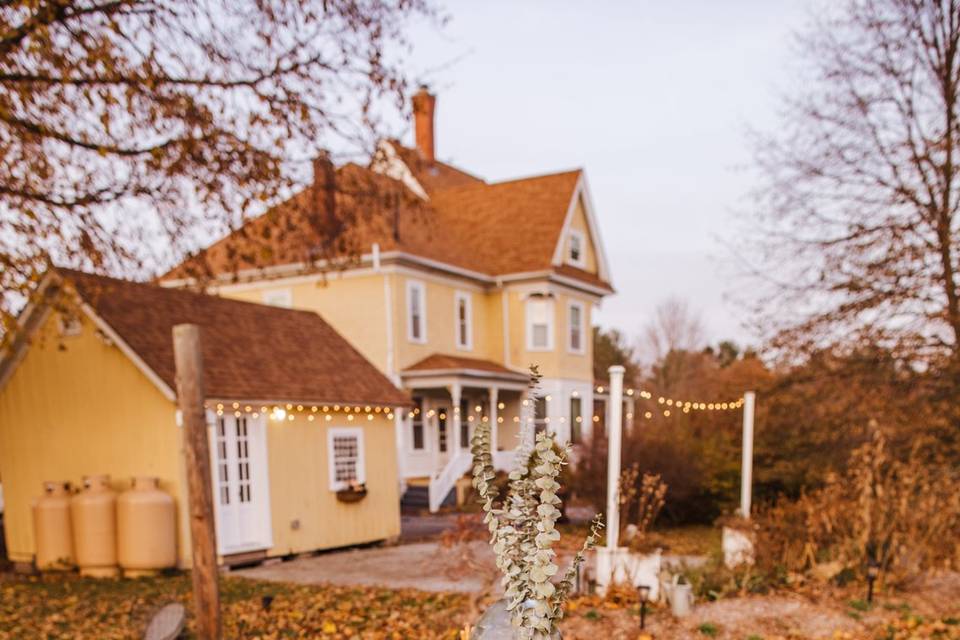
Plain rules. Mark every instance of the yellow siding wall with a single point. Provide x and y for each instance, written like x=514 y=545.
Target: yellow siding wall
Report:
x=559 y=362
x=80 y=410
x=579 y=222
x=441 y=322
x=300 y=490
x=356 y=307
x=353 y=305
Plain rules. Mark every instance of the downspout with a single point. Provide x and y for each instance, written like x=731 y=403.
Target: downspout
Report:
x=398 y=418
x=505 y=303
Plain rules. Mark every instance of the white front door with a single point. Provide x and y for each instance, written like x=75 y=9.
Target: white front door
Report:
x=240 y=483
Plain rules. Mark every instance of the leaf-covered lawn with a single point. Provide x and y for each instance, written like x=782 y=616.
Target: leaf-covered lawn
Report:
x=71 y=607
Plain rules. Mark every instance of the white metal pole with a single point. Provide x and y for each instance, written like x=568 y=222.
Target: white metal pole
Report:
x=614 y=432
x=454 y=413
x=746 y=470
x=494 y=413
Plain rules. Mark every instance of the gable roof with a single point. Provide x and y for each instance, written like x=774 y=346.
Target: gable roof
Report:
x=445 y=363
x=492 y=229
x=251 y=352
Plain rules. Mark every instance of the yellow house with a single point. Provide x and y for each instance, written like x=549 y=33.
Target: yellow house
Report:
x=295 y=415
x=452 y=286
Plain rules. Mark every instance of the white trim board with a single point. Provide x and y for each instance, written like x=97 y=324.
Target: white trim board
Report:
x=582 y=191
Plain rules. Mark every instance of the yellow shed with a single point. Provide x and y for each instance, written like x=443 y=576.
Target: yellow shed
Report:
x=299 y=420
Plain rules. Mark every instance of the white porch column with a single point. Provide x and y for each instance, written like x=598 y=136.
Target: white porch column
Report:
x=746 y=466
x=614 y=432
x=431 y=430
x=455 y=392
x=493 y=413
x=401 y=426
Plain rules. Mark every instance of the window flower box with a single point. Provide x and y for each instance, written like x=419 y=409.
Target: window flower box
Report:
x=354 y=492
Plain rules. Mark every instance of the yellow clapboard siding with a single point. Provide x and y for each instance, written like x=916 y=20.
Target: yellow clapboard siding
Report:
x=300 y=489
x=78 y=406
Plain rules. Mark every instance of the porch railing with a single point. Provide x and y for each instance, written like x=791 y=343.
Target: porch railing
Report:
x=504 y=460
x=443 y=482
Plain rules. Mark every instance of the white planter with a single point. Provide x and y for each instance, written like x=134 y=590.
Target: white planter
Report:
x=737 y=547
x=621 y=566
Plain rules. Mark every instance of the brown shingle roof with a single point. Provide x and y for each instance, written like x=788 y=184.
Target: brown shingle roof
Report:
x=435 y=175
x=494 y=229
x=446 y=362
x=250 y=351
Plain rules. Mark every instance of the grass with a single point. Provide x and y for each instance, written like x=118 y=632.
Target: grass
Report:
x=68 y=606
x=690 y=540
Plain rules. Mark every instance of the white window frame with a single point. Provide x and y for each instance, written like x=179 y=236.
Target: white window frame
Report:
x=579 y=306
x=356 y=432
x=467 y=300
x=282 y=298
x=581 y=239
x=548 y=303
x=418 y=286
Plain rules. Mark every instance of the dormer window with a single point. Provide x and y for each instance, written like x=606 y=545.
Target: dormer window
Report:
x=576 y=248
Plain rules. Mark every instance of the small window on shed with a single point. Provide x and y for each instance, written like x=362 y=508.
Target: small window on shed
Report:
x=345 y=450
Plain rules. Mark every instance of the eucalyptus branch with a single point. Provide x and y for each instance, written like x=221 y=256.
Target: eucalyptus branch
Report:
x=523 y=531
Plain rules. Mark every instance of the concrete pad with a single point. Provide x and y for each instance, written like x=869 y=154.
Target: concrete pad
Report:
x=426 y=566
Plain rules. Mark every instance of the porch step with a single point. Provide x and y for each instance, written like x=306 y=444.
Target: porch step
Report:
x=418 y=497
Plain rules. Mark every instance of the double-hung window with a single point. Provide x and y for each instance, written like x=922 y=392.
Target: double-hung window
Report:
x=442 y=430
x=464 y=423
x=345 y=454
x=416 y=422
x=576 y=420
x=463 y=311
x=416 y=312
x=575 y=328
x=540 y=420
x=576 y=248
x=278 y=298
x=539 y=323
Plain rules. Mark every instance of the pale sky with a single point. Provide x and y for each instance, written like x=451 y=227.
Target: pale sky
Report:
x=653 y=99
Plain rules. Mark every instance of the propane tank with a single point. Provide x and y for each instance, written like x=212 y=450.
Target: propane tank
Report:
x=146 y=529
x=51 y=527
x=94 y=513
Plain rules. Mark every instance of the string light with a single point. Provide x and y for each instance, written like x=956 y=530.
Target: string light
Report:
x=287 y=412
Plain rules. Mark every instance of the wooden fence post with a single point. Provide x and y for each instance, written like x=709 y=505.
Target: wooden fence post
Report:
x=189 y=367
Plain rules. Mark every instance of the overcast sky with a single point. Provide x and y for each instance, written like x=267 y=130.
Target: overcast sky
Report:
x=653 y=99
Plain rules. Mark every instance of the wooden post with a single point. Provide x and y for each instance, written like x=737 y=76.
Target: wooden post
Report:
x=614 y=432
x=189 y=367
x=746 y=465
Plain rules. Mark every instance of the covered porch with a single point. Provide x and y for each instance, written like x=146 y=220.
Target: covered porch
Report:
x=452 y=395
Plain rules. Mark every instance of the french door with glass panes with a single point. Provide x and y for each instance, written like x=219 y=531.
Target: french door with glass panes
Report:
x=240 y=483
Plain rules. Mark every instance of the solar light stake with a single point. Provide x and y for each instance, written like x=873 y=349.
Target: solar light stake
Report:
x=873 y=570
x=644 y=592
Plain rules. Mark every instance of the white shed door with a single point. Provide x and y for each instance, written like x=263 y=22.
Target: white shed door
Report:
x=240 y=484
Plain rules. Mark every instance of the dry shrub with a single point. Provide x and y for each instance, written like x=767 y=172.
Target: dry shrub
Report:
x=901 y=511
x=641 y=500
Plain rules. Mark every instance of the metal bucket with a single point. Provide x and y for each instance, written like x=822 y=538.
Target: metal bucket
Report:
x=680 y=595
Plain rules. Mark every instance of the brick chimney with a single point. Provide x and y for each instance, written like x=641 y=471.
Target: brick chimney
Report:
x=424 y=103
